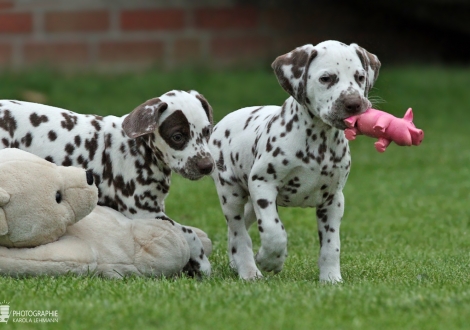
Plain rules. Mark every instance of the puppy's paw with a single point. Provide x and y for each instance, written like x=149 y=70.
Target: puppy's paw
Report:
x=252 y=275
x=271 y=262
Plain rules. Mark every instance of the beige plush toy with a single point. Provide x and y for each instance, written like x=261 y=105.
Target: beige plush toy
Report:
x=50 y=225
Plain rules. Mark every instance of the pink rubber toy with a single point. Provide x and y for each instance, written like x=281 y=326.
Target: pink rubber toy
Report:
x=385 y=127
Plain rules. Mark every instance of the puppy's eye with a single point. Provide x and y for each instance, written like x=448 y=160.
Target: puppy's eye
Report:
x=58 y=197
x=206 y=132
x=177 y=137
x=361 y=78
x=325 y=79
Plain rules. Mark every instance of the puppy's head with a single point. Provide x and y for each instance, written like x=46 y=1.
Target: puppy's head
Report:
x=178 y=125
x=332 y=80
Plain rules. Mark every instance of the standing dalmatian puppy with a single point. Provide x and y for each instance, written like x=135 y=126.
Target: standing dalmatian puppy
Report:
x=294 y=155
x=131 y=157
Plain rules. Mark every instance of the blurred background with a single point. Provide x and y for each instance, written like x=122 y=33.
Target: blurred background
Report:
x=121 y=35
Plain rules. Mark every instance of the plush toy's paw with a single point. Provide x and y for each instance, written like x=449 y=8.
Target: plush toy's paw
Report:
x=350 y=134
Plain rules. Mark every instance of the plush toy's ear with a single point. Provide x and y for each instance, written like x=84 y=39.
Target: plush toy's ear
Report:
x=291 y=71
x=4 y=199
x=371 y=65
x=144 y=119
x=205 y=105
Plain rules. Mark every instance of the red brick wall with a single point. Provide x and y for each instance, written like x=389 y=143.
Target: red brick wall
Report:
x=138 y=34
x=127 y=37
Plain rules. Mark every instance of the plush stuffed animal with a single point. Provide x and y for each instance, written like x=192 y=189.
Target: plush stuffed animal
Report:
x=50 y=225
x=386 y=127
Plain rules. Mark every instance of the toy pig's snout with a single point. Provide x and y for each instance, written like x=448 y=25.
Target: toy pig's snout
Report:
x=417 y=136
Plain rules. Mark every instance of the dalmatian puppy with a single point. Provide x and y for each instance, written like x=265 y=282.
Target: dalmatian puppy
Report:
x=131 y=157
x=293 y=155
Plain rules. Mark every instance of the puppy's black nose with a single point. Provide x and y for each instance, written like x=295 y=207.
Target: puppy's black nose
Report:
x=89 y=177
x=352 y=104
x=205 y=165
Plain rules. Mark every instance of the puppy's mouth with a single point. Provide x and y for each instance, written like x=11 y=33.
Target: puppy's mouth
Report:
x=196 y=168
x=337 y=118
x=338 y=121
x=191 y=176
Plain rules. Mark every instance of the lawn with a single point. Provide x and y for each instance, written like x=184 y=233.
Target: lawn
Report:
x=405 y=233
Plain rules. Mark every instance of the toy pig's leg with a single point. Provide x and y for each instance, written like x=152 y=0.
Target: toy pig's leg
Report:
x=382 y=144
x=351 y=133
x=382 y=124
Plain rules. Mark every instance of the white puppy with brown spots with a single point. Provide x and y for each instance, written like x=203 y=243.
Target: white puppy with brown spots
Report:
x=294 y=155
x=131 y=157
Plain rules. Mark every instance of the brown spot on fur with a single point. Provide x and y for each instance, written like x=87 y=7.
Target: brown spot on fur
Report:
x=175 y=125
x=37 y=120
x=52 y=135
x=8 y=123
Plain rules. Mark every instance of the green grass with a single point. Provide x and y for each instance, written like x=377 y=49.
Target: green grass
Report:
x=405 y=234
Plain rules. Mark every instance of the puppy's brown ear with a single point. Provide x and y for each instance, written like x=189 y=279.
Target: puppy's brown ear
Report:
x=291 y=71
x=144 y=119
x=371 y=65
x=205 y=105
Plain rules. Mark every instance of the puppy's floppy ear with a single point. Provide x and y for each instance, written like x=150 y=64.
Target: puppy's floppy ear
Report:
x=291 y=71
x=371 y=65
x=4 y=199
x=205 y=105
x=144 y=119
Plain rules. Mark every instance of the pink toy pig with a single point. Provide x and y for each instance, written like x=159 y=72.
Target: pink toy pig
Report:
x=386 y=127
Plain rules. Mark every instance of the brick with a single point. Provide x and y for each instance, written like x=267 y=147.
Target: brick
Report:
x=6 y=4
x=76 y=21
x=130 y=51
x=155 y=19
x=5 y=53
x=226 y=18
x=286 y=42
x=247 y=47
x=16 y=23
x=187 y=49
x=56 y=52
x=276 y=19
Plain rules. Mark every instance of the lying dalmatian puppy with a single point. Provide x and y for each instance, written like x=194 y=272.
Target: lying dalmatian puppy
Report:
x=294 y=155
x=131 y=157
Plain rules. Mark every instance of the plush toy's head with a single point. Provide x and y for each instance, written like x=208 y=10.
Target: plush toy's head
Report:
x=38 y=199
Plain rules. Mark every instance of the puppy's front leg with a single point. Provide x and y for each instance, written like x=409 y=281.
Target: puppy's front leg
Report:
x=329 y=215
x=198 y=262
x=273 y=251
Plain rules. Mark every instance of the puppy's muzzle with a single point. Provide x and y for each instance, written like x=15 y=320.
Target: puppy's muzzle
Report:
x=353 y=104
x=205 y=165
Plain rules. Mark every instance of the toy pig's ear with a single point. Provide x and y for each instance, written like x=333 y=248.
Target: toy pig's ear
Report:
x=4 y=199
x=291 y=71
x=409 y=115
x=371 y=65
